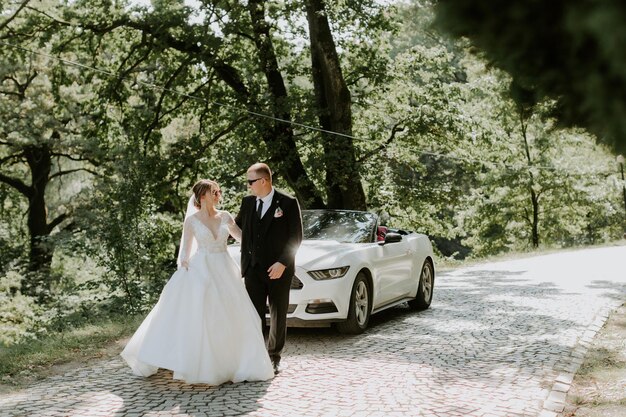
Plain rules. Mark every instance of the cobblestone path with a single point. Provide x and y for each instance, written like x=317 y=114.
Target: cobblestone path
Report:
x=500 y=339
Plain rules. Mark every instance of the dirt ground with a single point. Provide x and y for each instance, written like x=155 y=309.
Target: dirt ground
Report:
x=599 y=388
x=38 y=373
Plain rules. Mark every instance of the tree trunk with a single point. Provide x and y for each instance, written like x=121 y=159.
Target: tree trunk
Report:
x=39 y=161
x=343 y=179
x=534 y=197
x=279 y=136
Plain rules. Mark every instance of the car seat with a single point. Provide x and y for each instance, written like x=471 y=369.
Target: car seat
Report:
x=381 y=232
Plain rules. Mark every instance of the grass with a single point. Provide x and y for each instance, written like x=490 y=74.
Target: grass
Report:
x=597 y=389
x=35 y=359
x=599 y=359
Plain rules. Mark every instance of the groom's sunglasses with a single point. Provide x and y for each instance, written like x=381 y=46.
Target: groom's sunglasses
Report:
x=253 y=181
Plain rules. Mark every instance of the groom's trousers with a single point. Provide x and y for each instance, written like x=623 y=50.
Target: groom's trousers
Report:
x=261 y=288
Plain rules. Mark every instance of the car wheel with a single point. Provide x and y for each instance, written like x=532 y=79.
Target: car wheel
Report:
x=360 y=307
x=425 y=288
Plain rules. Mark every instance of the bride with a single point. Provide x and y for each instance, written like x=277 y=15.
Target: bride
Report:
x=204 y=327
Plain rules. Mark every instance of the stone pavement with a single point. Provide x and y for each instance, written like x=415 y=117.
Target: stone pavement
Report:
x=500 y=339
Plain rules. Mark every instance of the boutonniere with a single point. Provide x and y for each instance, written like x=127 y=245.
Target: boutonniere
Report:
x=278 y=212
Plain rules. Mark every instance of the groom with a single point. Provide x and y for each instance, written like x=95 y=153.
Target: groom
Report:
x=271 y=227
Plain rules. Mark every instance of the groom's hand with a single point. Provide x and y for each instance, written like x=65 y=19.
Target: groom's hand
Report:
x=276 y=271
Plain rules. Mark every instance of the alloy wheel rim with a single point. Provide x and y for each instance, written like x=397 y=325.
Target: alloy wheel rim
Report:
x=361 y=303
x=427 y=282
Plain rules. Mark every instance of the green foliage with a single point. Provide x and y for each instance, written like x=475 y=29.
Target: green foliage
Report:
x=456 y=166
x=137 y=240
x=19 y=314
x=12 y=240
x=441 y=148
x=523 y=151
x=415 y=122
x=78 y=296
x=569 y=51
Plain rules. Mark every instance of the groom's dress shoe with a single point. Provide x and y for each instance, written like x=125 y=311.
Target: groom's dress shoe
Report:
x=277 y=368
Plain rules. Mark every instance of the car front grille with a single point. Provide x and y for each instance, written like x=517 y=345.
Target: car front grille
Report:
x=296 y=284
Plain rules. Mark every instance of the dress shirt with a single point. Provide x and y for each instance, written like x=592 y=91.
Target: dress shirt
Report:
x=267 y=202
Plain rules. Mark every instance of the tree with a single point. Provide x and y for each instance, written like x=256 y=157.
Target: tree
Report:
x=529 y=190
x=413 y=129
x=249 y=61
x=467 y=165
x=40 y=127
x=568 y=51
x=334 y=104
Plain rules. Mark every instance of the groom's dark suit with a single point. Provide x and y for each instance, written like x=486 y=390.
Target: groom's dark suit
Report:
x=273 y=238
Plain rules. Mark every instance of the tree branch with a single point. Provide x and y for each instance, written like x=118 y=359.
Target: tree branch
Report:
x=17 y=184
x=70 y=157
x=244 y=35
x=69 y=171
x=21 y=88
x=125 y=72
x=396 y=129
x=10 y=93
x=54 y=223
x=210 y=142
x=158 y=115
x=229 y=74
x=14 y=15
x=8 y=158
x=53 y=18
x=76 y=158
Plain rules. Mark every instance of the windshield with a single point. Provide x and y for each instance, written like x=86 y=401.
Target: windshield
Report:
x=342 y=226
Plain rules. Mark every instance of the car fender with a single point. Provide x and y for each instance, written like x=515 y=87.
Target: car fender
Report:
x=423 y=250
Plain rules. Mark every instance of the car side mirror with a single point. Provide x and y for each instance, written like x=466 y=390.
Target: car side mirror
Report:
x=391 y=238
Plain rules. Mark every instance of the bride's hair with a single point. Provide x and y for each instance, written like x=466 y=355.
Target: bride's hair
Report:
x=200 y=188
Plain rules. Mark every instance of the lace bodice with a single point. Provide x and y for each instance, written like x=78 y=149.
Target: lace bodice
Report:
x=197 y=237
x=205 y=238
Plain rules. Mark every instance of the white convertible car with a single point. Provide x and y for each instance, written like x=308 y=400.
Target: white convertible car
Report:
x=350 y=267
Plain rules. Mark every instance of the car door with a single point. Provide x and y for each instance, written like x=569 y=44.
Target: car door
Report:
x=393 y=267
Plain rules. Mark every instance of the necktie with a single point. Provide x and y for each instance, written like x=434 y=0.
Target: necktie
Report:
x=259 y=210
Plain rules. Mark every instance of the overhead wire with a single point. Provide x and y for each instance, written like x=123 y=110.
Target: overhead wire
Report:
x=173 y=91
x=281 y=120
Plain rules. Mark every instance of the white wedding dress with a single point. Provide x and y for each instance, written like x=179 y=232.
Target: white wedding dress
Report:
x=204 y=327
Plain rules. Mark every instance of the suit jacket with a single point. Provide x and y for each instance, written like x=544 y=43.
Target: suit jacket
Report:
x=280 y=233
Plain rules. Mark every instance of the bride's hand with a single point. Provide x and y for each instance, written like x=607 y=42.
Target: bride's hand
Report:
x=185 y=264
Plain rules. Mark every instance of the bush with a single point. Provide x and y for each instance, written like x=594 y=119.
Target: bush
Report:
x=20 y=316
x=79 y=295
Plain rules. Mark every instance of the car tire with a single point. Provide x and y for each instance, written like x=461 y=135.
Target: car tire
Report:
x=360 y=307
x=425 y=288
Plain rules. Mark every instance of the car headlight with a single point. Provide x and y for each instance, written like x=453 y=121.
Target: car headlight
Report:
x=331 y=273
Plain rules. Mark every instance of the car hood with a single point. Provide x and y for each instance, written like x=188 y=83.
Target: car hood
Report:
x=312 y=254
x=318 y=254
